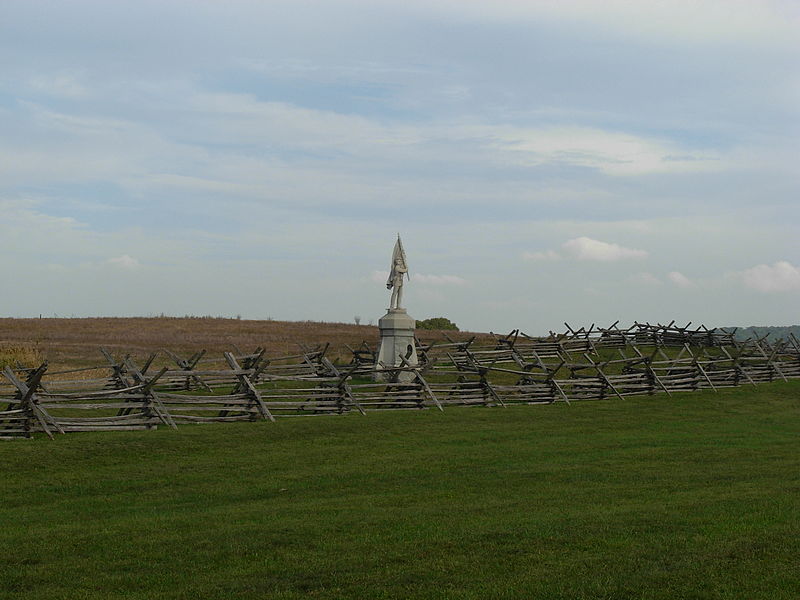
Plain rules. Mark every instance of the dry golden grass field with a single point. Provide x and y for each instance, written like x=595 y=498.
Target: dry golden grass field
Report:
x=67 y=343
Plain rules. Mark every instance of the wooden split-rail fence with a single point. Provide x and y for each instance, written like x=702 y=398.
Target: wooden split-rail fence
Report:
x=169 y=390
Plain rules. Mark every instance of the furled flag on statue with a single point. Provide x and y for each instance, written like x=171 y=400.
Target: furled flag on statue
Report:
x=401 y=254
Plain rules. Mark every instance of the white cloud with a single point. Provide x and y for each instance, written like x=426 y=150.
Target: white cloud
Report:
x=679 y=279
x=439 y=279
x=709 y=21
x=646 y=278
x=145 y=156
x=243 y=118
x=63 y=84
x=124 y=262
x=613 y=152
x=238 y=117
x=544 y=255
x=780 y=277
x=585 y=248
x=379 y=276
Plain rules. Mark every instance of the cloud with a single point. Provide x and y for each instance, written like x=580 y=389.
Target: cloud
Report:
x=124 y=262
x=585 y=248
x=646 y=278
x=439 y=279
x=677 y=21
x=63 y=84
x=544 y=255
x=782 y=276
x=612 y=152
x=379 y=276
x=679 y=279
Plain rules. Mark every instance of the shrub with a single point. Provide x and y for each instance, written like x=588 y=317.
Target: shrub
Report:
x=437 y=323
x=13 y=355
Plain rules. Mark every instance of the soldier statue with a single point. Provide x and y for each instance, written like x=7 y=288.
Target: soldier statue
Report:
x=398 y=271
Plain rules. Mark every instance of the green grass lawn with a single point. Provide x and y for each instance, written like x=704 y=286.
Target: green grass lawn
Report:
x=694 y=496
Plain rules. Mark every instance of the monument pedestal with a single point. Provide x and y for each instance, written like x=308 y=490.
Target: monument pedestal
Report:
x=397 y=339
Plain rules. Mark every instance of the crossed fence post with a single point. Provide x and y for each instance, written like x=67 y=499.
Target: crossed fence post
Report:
x=29 y=401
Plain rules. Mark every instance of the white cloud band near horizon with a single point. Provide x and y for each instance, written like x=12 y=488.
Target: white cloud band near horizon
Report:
x=781 y=276
x=586 y=248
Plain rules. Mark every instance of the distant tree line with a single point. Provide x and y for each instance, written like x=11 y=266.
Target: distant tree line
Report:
x=773 y=333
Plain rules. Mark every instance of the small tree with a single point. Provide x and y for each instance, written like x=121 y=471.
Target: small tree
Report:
x=357 y=319
x=437 y=323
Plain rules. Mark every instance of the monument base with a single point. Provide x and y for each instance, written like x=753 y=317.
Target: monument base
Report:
x=397 y=340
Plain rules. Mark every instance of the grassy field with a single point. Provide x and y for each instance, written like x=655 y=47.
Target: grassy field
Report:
x=695 y=496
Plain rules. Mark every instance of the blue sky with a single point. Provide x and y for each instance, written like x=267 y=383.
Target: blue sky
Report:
x=543 y=161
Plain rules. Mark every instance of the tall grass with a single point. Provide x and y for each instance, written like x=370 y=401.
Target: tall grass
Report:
x=19 y=355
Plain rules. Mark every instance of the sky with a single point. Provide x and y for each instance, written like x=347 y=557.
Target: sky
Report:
x=543 y=161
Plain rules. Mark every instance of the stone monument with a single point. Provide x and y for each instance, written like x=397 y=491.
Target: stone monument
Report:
x=397 y=347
